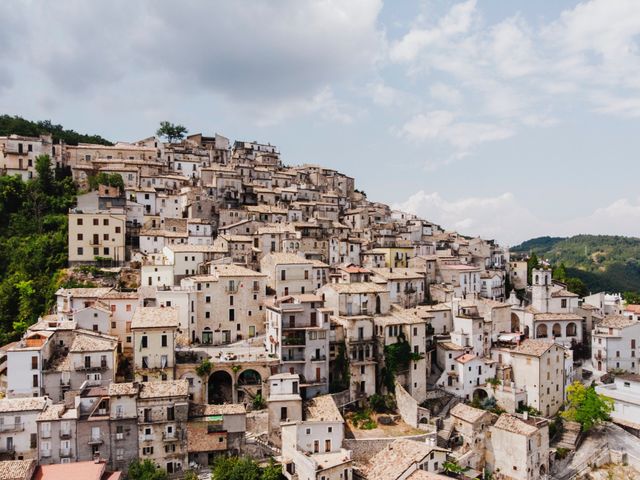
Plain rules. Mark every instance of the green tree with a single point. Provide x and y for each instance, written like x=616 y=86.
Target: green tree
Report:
x=532 y=263
x=452 y=468
x=108 y=179
x=190 y=475
x=560 y=273
x=146 y=470
x=577 y=286
x=586 y=406
x=171 y=131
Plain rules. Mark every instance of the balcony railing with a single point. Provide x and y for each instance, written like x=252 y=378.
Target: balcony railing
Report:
x=96 y=439
x=170 y=437
x=45 y=453
x=11 y=427
x=231 y=289
x=65 y=435
x=65 y=452
x=79 y=367
x=320 y=358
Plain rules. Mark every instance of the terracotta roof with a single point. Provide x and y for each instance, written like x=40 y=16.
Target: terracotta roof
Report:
x=467 y=413
x=64 y=471
x=232 y=270
x=199 y=410
x=557 y=316
x=280 y=258
x=356 y=287
x=17 y=469
x=513 y=424
x=23 y=404
x=52 y=412
x=85 y=342
x=563 y=293
x=467 y=357
x=630 y=308
x=155 y=317
x=392 y=461
x=536 y=347
x=616 y=321
x=170 y=388
x=322 y=408
x=129 y=388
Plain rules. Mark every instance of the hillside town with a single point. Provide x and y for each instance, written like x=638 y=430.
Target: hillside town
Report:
x=222 y=301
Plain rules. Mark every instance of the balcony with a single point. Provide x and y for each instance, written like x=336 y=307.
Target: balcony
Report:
x=65 y=453
x=12 y=427
x=65 y=435
x=96 y=439
x=320 y=358
x=231 y=289
x=65 y=383
x=170 y=437
x=45 y=454
x=84 y=367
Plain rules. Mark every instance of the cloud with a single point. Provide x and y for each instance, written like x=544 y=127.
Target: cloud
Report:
x=252 y=55
x=504 y=218
x=441 y=125
x=518 y=74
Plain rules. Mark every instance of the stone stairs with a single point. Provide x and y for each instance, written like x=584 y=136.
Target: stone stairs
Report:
x=570 y=436
x=444 y=434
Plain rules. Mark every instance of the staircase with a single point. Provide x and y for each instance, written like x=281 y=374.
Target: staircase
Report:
x=570 y=436
x=444 y=434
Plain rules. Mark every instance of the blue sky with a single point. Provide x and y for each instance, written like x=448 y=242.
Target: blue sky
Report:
x=505 y=119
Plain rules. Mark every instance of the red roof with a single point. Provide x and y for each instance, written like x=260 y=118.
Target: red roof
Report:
x=84 y=470
x=465 y=358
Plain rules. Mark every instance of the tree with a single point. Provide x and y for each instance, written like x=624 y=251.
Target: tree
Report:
x=273 y=471
x=560 y=273
x=190 y=475
x=631 y=298
x=244 y=468
x=494 y=382
x=586 y=406
x=108 y=179
x=452 y=468
x=532 y=263
x=146 y=470
x=171 y=131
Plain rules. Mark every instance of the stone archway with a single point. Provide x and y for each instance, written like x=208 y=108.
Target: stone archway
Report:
x=556 y=330
x=480 y=394
x=220 y=387
x=249 y=377
x=515 y=323
x=541 y=331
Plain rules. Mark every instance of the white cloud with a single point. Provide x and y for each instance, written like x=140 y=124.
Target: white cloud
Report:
x=382 y=94
x=441 y=125
x=445 y=93
x=518 y=74
x=503 y=218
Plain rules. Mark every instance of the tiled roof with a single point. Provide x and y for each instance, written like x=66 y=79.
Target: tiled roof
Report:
x=467 y=413
x=85 y=342
x=52 y=412
x=513 y=424
x=232 y=270
x=357 y=287
x=129 y=388
x=283 y=257
x=199 y=410
x=155 y=317
x=467 y=357
x=563 y=293
x=17 y=469
x=535 y=347
x=22 y=404
x=322 y=408
x=616 y=321
x=392 y=461
x=557 y=316
x=170 y=388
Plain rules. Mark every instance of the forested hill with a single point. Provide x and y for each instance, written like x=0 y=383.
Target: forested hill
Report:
x=17 y=125
x=602 y=262
x=33 y=230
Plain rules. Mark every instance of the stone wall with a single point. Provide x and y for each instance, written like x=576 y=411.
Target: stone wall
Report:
x=408 y=408
x=362 y=449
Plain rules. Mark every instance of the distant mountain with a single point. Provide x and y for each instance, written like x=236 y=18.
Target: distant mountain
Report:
x=17 y=125
x=603 y=262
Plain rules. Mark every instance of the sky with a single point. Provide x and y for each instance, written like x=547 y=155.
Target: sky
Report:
x=508 y=120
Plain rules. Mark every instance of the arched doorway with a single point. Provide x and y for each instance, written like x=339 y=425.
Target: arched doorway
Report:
x=480 y=394
x=220 y=388
x=378 y=306
x=541 y=331
x=249 y=377
x=600 y=365
x=557 y=330
x=515 y=323
x=543 y=470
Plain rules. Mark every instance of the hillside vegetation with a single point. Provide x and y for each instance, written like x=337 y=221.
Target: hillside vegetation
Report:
x=19 y=126
x=33 y=230
x=602 y=262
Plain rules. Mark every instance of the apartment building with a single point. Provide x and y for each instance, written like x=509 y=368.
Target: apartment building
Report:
x=97 y=234
x=298 y=334
x=18 y=427
x=123 y=422
x=615 y=344
x=18 y=154
x=288 y=273
x=154 y=331
x=163 y=411
x=57 y=434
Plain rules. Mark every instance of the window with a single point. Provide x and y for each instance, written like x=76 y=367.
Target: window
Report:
x=96 y=221
x=164 y=340
x=80 y=251
x=35 y=380
x=170 y=413
x=79 y=221
x=80 y=237
x=283 y=275
x=105 y=222
x=144 y=342
x=283 y=413
x=34 y=363
x=117 y=229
